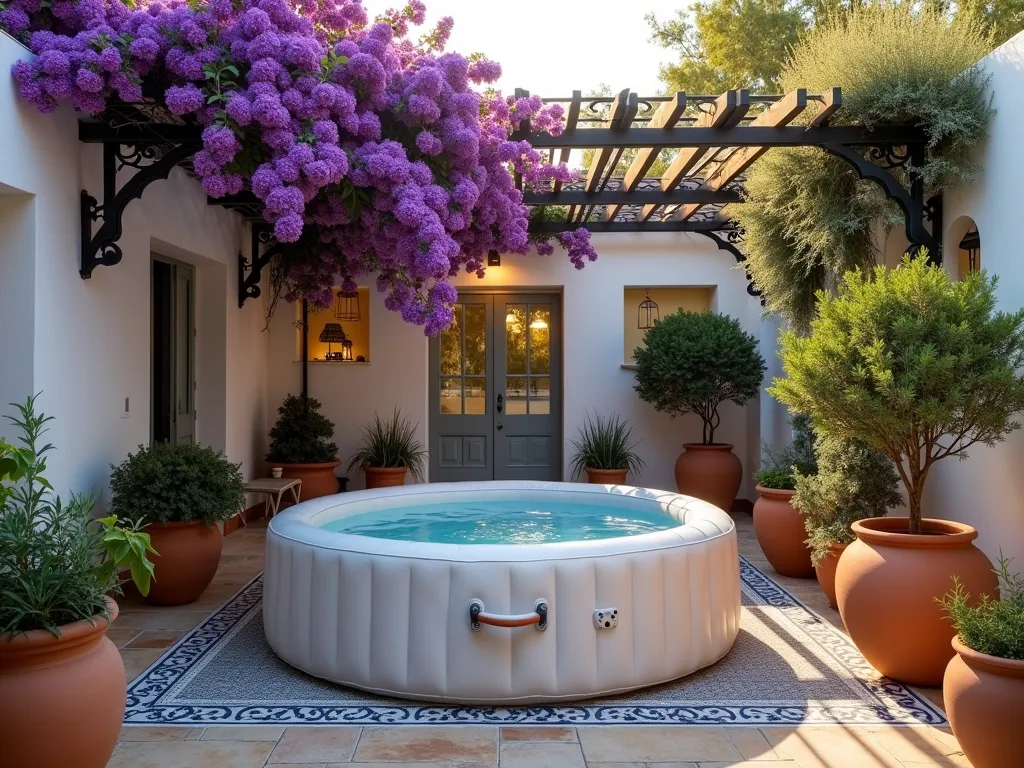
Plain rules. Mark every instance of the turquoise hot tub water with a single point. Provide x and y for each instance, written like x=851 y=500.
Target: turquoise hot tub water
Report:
x=505 y=522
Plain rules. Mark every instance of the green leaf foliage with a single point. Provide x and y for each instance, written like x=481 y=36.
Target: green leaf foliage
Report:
x=692 y=362
x=606 y=443
x=993 y=627
x=302 y=435
x=917 y=365
x=176 y=483
x=390 y=443
x=781 y=466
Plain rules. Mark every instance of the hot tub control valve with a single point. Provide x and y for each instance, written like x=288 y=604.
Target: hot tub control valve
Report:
x=606 y=618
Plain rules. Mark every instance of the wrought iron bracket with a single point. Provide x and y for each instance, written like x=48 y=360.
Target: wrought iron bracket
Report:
x=101 y=248
x=729 y=240
x=250 y=271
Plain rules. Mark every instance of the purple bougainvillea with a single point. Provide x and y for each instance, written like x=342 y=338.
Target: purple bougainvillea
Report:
x=371 y=153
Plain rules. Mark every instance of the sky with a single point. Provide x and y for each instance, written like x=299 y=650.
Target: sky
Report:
x=551 y=47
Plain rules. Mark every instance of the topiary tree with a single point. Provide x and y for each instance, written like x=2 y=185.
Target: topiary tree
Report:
x=918 y=366
x=302 y=435
x=695 y=361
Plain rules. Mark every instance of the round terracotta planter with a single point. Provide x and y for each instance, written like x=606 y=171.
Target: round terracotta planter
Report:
x=62 y=699
x=384 y=477
x=606 y=476
x=781 y=533
x=187 y=558
x=826 y=573
x=984 y=699
x=887 y=585
x=317 y=479
x=709 y=472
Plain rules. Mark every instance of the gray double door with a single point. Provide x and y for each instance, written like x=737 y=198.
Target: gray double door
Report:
x=496 y=390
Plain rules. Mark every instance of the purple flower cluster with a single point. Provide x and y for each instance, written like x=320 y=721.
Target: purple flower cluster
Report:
x=370 y=153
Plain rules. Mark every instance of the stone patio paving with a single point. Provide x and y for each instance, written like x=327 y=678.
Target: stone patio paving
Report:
x=143 y=632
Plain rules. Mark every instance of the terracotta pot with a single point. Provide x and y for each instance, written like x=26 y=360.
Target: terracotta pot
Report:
x=606 y=476
x=186 y=561
x=887 y=583
x=317 y=479
x=984 y=699
x=781 y=533
x=384 y=477
x=709 y=472
x=62 y=699
x=826 y=573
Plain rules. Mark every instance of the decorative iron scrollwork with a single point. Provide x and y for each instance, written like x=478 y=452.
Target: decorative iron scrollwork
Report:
x=134 y=156
x=250 y=271
x=889 y=155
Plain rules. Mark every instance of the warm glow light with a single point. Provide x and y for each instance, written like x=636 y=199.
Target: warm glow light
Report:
x=510 y=318
x=538 y=324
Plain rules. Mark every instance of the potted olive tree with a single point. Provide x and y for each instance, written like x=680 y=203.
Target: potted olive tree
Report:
x=301 y=446
x=692 y=362
x=388 y=451
x=181 y=491
x=921 y=368
x=983 y=688
x=62 y=682
x=606 y=451
x=852 y=483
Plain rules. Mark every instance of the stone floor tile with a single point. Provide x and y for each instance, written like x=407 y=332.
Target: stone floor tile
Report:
x=191 y=754
x=745 y=764
x=311 y=765
x=152 y=733
x=137 y=660
x=121 y=636
x=155 y=638
x=948 y=761
x=161 y=618
x=592 y=764
x=751 y=743
x=243 y=733
x=330 y=744
x=445 y=764
x=411 y=743
x=194 y=734
x=915 y=744
x=653 y=744
x=829 y=747
x=538 y=733
x=540 y=755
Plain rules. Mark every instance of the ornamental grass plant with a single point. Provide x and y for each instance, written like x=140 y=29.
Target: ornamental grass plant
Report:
x=993 y=627
x=302 y=435
x=390 y=444
x=606 y=443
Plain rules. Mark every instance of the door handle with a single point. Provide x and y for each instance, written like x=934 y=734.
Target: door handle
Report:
x=498 y=426
x=501 y=401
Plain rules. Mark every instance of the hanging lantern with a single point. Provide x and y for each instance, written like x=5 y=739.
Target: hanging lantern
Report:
x=647 y=314
x=972 y=244
x=346 y=306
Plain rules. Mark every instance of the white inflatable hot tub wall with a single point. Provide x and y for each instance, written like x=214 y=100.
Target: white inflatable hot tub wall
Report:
x=392 y=617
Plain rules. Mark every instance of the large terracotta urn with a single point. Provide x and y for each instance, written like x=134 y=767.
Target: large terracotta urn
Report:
x=710 y=472
x=606 y=476
x=384 y=477
x=317 y=479
x=984 y=700
x=826 y=573
x=888 y=583
x=62 y=699
x=780 y=532
x=186 y=561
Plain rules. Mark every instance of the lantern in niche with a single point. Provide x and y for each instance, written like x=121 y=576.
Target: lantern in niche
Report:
x=333 y=334
x=647 y=313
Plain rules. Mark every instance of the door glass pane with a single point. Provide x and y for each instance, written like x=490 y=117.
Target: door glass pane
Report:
x=540 y=339
x=515 y=338
x=515 y=395
x=451 y=395
x=476 y=340
x=476 y=395
x=451 y=347
x=540 y=394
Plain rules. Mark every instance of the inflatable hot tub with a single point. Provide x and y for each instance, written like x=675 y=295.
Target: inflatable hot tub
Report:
x=502 y=592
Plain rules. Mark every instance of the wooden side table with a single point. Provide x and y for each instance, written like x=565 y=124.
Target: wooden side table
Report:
x=273 y=489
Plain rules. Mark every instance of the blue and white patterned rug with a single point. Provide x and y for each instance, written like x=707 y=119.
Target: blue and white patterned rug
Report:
x=788 y=666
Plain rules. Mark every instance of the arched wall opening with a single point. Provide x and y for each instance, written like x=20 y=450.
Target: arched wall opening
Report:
x=964 y=247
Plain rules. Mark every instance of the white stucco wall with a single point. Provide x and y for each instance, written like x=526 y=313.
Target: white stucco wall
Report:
x=592 y=349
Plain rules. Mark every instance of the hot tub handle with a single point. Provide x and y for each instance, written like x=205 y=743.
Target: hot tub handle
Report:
x=477 y=616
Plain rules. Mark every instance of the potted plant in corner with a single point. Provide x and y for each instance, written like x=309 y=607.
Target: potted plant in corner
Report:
x=62 y=681
x=852 y=483
x=778 y=523
x=181 y=491
x=605 y=451
x=388 y=451
x=300 y=445
x=921 y=368
x=983 y=688
x=692 y=363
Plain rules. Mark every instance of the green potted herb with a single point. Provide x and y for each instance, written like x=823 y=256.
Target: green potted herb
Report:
x=181 y=491
x=693 y=362
x=389 y=449
x=59 y=673
x=301 y=447
x=606 y=451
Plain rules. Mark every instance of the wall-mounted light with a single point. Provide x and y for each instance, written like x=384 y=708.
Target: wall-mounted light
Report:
x=647 y=313
x=540 y=324
x=493 y=259
x=972 y=244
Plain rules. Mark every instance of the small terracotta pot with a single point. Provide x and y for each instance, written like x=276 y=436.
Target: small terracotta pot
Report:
x=185 y=563
x=780 y=532
x=887 y=585
x=317 y=479
x=984 y=700
x=62 y=699
x=826 y=573
x=606 y=476
x=384 y=477
x=709 y=472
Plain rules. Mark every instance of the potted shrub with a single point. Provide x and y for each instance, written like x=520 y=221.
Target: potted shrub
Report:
x=605 y=451
x=692 y=363
x=388 y=451
x=779 y=525
x=919 y=367
x=852 y=483
x=62 y=682
x=300 y=445
x=181 y=491
x=983 y=688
